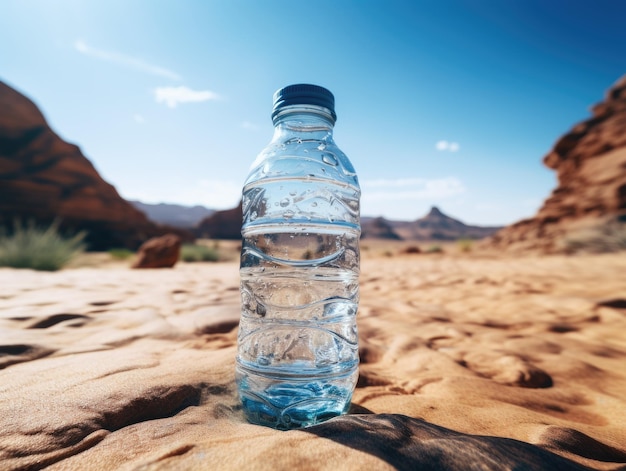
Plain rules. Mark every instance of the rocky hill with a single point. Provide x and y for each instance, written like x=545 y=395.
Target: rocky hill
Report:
x=378 y=228
x=221 y=225
x=177 y=215
x=43 y=178
x=438 y=226
x=590 y=162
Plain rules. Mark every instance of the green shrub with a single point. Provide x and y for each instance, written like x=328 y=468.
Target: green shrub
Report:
x=198 y=253
x=434 y=249
x=465 y=245
x=37 y=248
x=121 y=254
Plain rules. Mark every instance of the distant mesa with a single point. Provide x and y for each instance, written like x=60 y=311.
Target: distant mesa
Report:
x=43 y=178
x=177 y=215
x=435 y=226
x=378 y=228
x=590 y=162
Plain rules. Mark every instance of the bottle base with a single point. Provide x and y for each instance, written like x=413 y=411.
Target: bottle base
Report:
x=287 y=404
x=260 y=412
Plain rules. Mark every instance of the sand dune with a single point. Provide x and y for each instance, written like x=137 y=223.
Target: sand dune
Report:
x=467 y=363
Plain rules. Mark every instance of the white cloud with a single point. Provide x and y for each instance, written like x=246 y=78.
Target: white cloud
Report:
x=173 y=96
x=138 y=118
x=447 y=146
x=124 y=60
x=403 y=189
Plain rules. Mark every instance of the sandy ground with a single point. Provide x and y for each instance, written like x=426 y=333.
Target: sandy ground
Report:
x=468 y=362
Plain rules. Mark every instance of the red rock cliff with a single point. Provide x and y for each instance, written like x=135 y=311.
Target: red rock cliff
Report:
x=590 y=162
x=43 y=178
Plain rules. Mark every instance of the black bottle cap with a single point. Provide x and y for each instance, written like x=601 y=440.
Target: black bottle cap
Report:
x=304 y=94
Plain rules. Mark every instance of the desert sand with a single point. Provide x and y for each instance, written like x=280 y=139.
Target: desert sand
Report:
x=468 y=362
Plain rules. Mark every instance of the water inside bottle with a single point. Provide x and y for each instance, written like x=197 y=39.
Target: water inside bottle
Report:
x=298 y=340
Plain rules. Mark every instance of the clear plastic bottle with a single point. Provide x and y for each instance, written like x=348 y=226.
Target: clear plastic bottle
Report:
x=297 y=362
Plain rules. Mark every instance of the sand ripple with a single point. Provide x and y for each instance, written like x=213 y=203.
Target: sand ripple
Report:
x=466 y=363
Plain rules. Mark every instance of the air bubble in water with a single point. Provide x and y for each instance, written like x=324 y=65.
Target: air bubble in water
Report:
x=322 y=146
x=288 y=214
x=284 y=202
x=329 y=159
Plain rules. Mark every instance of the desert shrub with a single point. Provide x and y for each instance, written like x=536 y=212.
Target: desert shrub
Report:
x=434 y=249
x=606 y=238
x=121 y=254
x=465 y=245
x=412 y=249
x=198 y=253
x=38 y=248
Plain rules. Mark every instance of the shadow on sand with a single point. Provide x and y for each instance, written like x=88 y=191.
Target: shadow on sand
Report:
x=413 y=444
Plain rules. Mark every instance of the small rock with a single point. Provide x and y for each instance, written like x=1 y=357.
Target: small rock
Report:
x=159 y=252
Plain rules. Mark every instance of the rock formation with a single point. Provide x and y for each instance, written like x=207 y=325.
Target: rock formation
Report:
x=590 y=162
x=377 y=228
x=43 y=178
x=159 y=252
x=221 y=225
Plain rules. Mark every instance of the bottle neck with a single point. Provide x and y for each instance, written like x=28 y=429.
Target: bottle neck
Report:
x=304 y=119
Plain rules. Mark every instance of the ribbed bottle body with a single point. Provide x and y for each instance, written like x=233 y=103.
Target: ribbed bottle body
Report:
x=297 y=361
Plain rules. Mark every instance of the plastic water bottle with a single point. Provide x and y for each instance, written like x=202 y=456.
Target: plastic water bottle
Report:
x=297 y=362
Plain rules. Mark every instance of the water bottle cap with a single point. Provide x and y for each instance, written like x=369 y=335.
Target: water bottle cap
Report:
x=304 y=94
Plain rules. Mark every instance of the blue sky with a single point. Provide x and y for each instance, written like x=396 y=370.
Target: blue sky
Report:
x=447 y=103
